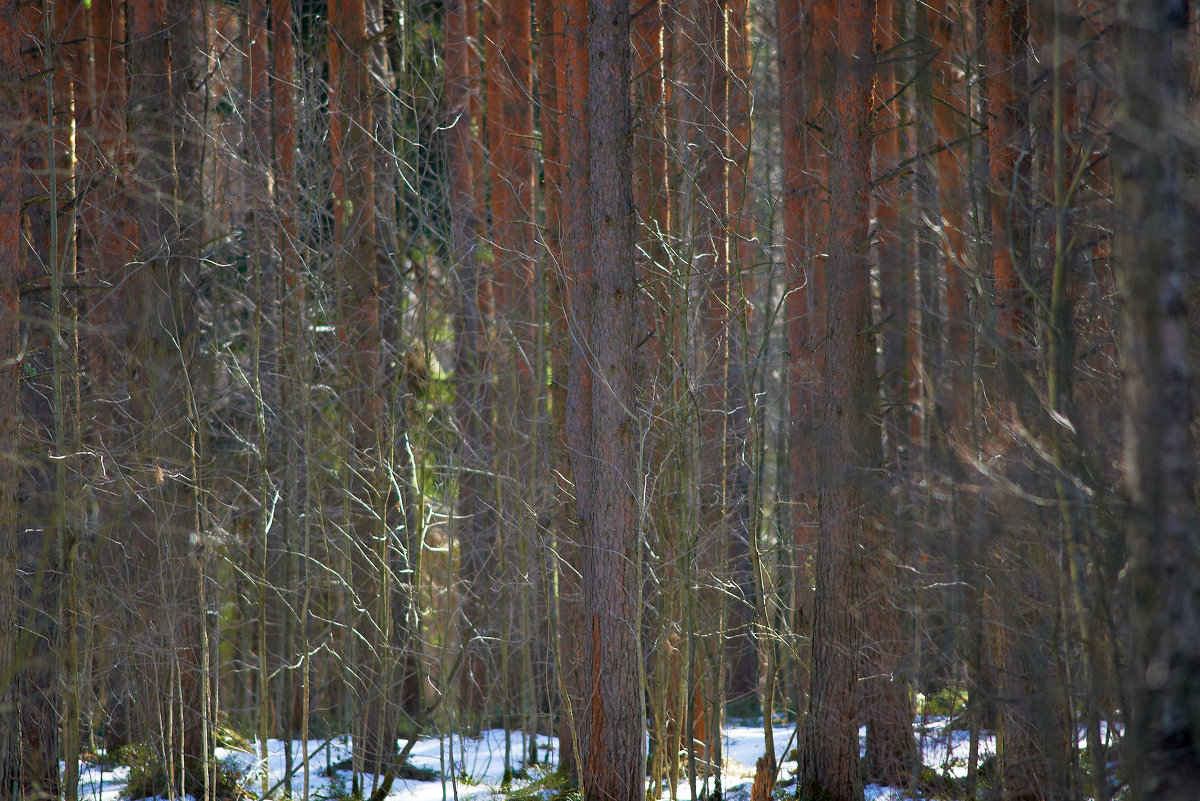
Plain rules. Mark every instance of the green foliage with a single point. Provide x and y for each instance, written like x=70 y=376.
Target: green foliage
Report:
x=744 y=709
x=538 y=783
x=337 y=790
x=948 y=702
x=148 y=776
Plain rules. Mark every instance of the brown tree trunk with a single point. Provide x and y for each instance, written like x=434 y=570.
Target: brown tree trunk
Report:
x=1005 y=29
x=476 y=512
x=612 y=726
x=702 y=107
x=109 y=237
x=806 y=36
x=576 y=290
x=741 y=645
x=508 y=73
x=849 y=442
x=28 y=734
x=891 y=749
x=351 y=124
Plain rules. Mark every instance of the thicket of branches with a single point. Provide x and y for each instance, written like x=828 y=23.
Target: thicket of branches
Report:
x=390 y=367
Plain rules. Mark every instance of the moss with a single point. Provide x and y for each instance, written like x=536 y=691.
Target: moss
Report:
x=148 y=777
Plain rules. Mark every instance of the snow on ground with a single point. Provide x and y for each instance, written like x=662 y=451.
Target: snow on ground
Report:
x=469 y=767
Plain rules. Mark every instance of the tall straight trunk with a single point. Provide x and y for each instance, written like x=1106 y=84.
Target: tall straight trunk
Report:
x=703 y=109
x=476 y=513
x=508 y=72
x=351 y=123
x=892 y=251
x=560 y=65
x=891 y=749
x=612 y=730
x=264 y=361
x=292 y=336
x=741 y=645
x=108 y=238
x=950 y=122
x=849 y=442
x=800 y=101
x=575 y=286
x=1154 y=268
x=1032 y=738
x=1005 y=28
x=159 y=312
x=22 y=772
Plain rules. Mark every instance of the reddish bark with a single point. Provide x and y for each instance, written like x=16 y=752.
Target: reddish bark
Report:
x=1005 y=25
x=612 y=729
x=741 y=645
x=14 y=111
x=806 y=35
x=848 y=443
x=887 y=711
x=472 y=397
x=951 y=124
x=575 y=282
x=351 y=124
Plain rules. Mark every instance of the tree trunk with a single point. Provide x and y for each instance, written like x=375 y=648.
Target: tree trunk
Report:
x=159 y=312
x=1154 y=265
x=741 y=645
x=476 y=512
x=849 y=443
x=891 y=750
x=612 y=728
x=351 y=123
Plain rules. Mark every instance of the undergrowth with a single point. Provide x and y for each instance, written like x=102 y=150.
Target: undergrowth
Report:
x=148 y=777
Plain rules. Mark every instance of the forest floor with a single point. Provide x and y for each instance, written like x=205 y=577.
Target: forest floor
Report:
x=466 y=767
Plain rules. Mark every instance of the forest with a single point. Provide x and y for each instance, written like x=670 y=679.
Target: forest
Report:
x=606 y=373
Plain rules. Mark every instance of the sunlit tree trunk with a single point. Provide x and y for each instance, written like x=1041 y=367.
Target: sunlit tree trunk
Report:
x=508 y=66
x=612 y=723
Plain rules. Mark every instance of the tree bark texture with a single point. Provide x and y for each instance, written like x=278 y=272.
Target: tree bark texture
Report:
x=612 y=729
x=576 y=293
x=849 y=444
x=1005 y=29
